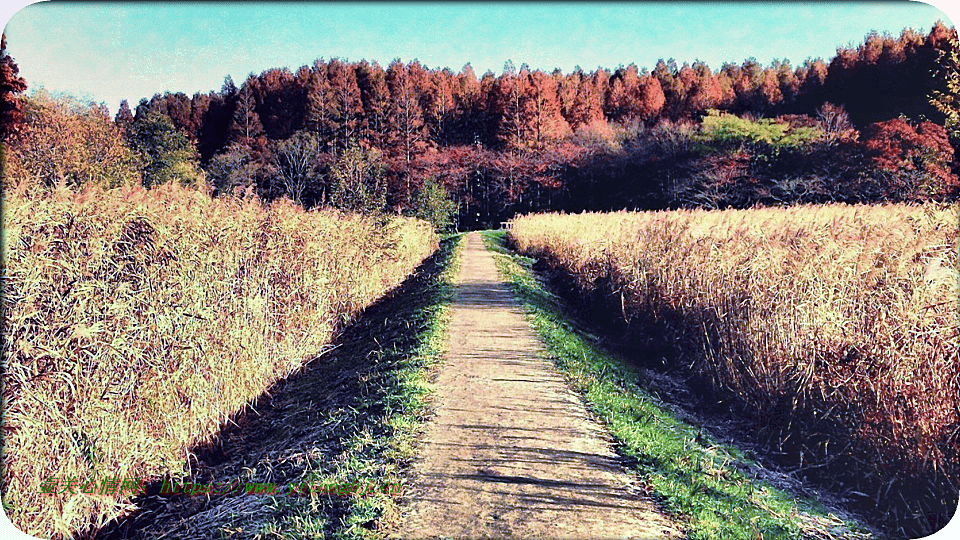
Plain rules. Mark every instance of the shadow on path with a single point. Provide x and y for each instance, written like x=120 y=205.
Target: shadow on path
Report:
x=300 y=426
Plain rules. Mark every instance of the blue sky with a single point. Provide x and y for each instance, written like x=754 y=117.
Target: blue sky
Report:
x=110 y=51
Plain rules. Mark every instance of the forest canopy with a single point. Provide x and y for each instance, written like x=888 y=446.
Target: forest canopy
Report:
x=875 y=122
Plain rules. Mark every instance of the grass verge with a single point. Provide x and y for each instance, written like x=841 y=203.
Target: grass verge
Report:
x=382 y=457
x=351 y=417
x=708 y=486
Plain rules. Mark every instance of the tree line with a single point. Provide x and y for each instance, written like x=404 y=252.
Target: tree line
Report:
x=358 y=135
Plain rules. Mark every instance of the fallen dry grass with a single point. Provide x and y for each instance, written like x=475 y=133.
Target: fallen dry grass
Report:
x=811 y=316
x=136 y=321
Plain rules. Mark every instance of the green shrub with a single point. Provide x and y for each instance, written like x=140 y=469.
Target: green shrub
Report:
x=432 y=203
x=728 y=130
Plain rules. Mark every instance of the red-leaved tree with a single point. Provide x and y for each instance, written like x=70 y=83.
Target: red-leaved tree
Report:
x=916 y=159
x=11 y=84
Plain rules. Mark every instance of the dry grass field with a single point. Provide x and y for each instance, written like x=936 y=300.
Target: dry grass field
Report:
x=136 y=321
x=812 y=316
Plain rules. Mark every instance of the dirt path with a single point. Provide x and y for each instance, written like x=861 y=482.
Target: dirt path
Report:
x=512 y=451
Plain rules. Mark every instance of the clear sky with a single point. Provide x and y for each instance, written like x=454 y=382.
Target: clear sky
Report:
x=110 y=51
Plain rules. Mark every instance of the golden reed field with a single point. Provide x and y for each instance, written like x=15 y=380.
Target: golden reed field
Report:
x=841 y=314
x=136 y=321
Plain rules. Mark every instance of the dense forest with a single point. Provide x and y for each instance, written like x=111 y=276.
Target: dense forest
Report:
x=859 y=127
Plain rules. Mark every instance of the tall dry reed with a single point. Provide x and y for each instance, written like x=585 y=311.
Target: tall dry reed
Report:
x=840 y=314
x=136 y=321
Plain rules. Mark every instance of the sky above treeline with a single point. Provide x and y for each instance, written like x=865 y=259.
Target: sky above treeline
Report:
x=106 y=52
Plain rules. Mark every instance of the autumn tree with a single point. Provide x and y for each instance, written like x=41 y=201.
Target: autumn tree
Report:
x=651 y=98
x=486 y=120
x=11 y=85
x=438 y=104
x=727 y=94
x=587 y=106
x=787 y=79
x=68 y=143
x=321 y=115
x=614 y=107
x=811 y=77
x=674 y=93
x=917 y=158
x=512 y=104
x=768 y=93
x=375 y=97
x=469 y=109
x=347 y=106
x=547 y=120
x=178 y=108
x=622 y=99
x=704 y=90
x=569 y=84
x=199 y=105
x=406 y=130
x=946 y=96
x=746 y=81
x=246 y=121
x=834 y=121
x=282 y=103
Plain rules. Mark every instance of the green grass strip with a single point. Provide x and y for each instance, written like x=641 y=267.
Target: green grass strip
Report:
x=405 y=394
x=705 y=485
x=384 y=421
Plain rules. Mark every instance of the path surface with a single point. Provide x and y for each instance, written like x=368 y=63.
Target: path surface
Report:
x=511 y=451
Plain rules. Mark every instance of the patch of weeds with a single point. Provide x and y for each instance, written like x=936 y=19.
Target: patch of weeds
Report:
x=704 y=484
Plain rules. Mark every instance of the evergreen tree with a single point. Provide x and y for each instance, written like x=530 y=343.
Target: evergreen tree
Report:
x=229 y=89
x=434 y=204
x=124 y=118
x=166 y=154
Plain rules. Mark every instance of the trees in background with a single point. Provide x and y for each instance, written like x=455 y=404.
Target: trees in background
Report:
x=914 y=157
x=11 y=86
x=165 y=153
x=945 y=97
x=358 y=180
x=434 y=204
x=232 y=170
x=529 y=139
x=66 y=143
x=297 y=163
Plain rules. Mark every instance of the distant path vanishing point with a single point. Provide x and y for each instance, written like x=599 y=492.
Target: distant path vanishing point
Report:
x=512 y=452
